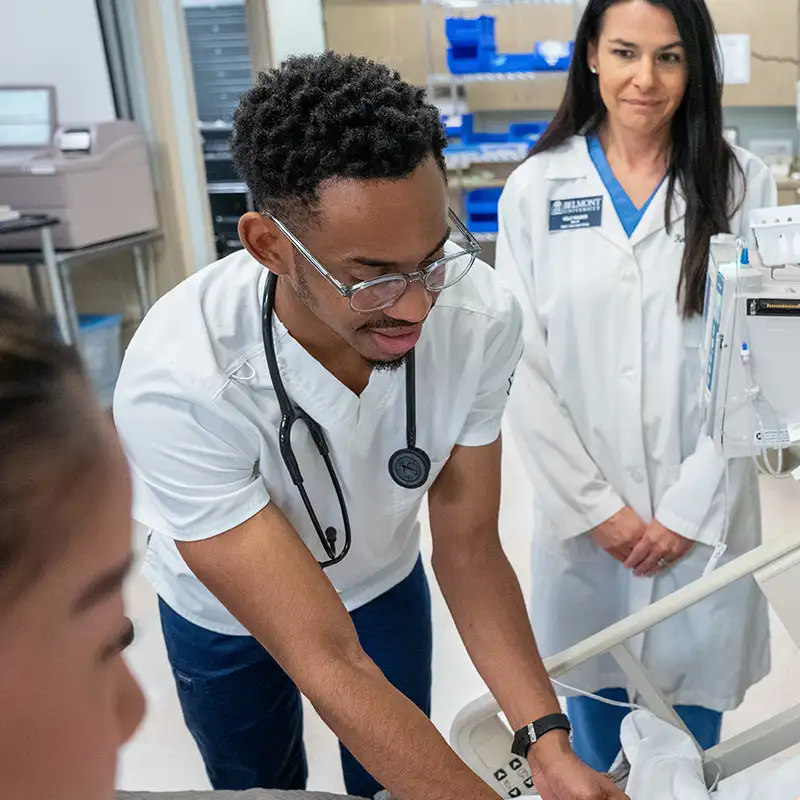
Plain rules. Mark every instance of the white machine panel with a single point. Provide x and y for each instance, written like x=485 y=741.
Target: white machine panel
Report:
x=27 y=116
x=751 y=386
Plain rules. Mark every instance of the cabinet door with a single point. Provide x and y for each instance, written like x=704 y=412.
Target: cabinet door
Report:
x=391 y=32
x=774 y=28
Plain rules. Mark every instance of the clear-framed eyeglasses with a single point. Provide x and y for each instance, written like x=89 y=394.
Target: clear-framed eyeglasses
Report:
x=384 y=291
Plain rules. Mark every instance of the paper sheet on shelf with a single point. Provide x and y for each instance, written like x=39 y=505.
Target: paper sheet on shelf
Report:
x=735 y=51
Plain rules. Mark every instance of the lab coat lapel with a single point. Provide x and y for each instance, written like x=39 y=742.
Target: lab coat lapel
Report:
x=578 y=178
x=654 y=218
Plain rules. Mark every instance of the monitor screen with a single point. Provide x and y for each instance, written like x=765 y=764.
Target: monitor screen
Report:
x=26 y=116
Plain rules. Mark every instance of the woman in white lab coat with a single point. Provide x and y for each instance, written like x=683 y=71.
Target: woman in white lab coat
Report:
x=604 y=235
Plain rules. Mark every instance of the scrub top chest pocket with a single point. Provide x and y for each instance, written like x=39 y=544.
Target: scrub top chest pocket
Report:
x=575 y=213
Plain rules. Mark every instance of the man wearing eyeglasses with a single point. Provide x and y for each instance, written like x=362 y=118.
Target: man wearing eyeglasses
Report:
x=286 y=410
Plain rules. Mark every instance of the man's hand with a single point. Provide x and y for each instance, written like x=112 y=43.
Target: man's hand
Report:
x=657 y=550
x=559 y=774
x=620 y=534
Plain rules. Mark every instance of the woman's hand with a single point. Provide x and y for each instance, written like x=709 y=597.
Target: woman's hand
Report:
x=657 y=550
x=620 y=534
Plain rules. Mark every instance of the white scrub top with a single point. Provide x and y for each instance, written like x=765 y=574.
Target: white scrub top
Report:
x=605 y=411
x=199 y=421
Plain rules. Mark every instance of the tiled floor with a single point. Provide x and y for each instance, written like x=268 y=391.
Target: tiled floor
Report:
x=162 y=756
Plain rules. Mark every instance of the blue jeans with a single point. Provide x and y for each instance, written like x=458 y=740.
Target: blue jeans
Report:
x=596 y=726
x=246 y=714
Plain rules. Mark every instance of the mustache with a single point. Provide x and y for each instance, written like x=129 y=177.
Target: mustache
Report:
x=384 y=322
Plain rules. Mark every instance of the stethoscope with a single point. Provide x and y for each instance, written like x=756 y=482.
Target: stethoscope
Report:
x=409 y=467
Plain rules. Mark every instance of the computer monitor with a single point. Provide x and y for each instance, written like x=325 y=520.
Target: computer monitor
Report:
x=27 y=117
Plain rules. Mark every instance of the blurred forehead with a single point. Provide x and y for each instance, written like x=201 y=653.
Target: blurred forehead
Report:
x=640 y=22
x=396 y=221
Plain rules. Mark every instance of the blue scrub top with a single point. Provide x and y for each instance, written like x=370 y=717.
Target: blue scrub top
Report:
x=628 y=214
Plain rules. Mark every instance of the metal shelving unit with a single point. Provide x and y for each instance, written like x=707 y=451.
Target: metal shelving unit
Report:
x=219 y=51
x=487 y=154
x=460 y=161
x=446 y=78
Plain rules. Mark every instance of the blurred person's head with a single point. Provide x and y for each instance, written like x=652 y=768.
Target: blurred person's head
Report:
x=348 y=157
x=67 y=700
x=650 y=68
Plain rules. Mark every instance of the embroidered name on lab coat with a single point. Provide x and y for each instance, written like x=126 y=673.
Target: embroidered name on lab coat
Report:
x=580 y=212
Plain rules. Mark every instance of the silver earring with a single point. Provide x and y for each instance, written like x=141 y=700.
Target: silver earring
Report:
x=593 y=70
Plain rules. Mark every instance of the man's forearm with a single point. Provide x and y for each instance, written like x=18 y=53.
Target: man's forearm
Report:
x=483 y=594
x=389 y=735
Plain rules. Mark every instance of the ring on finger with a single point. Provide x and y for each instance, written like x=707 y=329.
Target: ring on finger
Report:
x=663 y=563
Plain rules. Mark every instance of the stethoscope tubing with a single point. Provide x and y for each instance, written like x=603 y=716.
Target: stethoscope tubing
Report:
x=409 y=467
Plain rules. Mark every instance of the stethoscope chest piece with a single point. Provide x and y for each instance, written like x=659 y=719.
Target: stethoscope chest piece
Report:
x=410 y=467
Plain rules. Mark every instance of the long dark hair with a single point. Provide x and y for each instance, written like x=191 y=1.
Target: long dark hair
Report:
x=703 y=164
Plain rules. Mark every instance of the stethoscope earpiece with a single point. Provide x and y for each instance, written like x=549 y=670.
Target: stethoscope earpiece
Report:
x=410 y=467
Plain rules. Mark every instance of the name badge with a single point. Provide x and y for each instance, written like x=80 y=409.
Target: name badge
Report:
x=572 y=215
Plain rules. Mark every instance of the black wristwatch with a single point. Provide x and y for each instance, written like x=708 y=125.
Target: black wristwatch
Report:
x=530 y=734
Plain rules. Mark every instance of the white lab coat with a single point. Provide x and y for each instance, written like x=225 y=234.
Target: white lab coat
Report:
x=605 y=414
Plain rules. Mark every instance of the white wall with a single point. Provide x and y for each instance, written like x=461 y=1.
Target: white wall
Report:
x=58 y=42
x=296 y=28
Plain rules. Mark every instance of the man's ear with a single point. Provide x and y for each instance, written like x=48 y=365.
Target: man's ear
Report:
x=264 y=241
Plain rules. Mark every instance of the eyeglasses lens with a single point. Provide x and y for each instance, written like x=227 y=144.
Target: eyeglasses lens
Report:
x=378 y=295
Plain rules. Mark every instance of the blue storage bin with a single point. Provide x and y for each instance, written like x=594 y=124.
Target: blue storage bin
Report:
x=478 y=31
x=526 y=131
x=512 y=62
x=486 y=138
x=481 y=205
x=473 y=49
x=457 y=126
x=472 y=44
x=552 y=56
x=459 y=63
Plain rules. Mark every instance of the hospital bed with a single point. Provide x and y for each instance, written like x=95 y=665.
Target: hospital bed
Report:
x=255 y=794
x=750 y=404
x=483 y=739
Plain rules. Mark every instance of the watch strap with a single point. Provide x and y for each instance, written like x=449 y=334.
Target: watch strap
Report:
x=531 y=733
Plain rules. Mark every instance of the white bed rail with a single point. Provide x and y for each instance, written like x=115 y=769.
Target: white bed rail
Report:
x=481 y=737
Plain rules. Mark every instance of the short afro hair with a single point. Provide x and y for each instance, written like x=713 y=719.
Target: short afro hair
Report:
x=323 y=117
